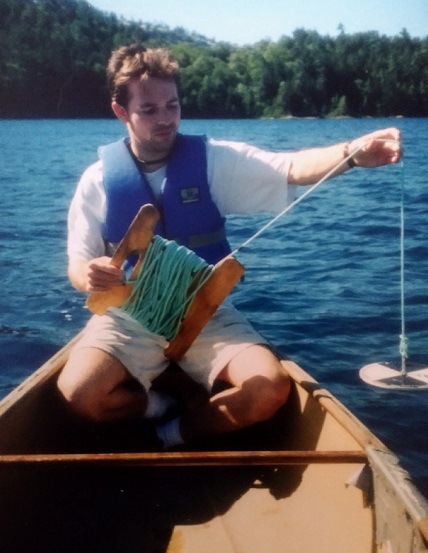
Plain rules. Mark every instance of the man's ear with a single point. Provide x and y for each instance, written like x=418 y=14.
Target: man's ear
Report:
x=120 y=112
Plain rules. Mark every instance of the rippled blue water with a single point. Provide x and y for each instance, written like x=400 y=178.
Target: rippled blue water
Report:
x=323 y=284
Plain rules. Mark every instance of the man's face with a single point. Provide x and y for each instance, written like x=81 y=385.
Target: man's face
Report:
x=152 y=117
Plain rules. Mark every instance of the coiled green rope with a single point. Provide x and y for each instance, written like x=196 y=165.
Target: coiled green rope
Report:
x=162 y=293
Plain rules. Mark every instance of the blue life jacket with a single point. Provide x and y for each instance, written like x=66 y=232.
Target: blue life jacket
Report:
x=188 y=214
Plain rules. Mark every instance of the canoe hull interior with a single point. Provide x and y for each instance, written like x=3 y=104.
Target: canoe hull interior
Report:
x=128 y=507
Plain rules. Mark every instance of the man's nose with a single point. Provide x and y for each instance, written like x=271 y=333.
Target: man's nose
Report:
x=164 y=115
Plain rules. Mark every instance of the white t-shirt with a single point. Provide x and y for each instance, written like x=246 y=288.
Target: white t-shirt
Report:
x=243 y=179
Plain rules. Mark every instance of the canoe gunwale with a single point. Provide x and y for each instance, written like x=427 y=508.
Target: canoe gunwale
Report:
x=333 y=406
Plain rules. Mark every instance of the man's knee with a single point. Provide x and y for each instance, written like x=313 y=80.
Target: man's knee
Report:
x=78 y=396
x=86 y=383
x=266 y=397
x=264 y=385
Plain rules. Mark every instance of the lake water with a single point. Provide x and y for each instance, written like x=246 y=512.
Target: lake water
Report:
x=322 y=284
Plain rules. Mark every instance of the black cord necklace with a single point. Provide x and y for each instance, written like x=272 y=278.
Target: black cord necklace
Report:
x=144 y=163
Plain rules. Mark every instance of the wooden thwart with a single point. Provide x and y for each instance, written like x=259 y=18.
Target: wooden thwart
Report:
x=190 y=458
x=225 y=276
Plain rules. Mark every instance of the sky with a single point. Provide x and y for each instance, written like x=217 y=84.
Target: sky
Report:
x=242 y=22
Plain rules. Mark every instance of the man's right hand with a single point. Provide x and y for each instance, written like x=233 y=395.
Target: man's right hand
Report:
x=97 y=275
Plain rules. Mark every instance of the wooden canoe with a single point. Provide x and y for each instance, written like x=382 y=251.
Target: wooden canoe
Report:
x=313 y=479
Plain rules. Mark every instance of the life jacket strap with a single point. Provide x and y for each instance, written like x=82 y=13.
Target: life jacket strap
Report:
x=202 y=240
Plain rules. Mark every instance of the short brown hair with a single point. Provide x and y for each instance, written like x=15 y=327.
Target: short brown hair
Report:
x=137 y=62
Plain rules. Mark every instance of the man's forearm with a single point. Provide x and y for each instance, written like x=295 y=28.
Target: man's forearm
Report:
x=310 y=166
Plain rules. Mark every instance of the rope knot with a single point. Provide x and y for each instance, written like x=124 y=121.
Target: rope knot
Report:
x=404 y=342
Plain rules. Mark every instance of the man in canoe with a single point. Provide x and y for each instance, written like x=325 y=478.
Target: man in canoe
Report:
x=159 y=166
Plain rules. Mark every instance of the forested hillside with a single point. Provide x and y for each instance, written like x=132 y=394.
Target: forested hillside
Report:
x=53 y=55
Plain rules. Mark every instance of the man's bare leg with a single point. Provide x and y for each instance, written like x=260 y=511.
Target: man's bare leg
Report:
x=260 y=386
x=97 y=387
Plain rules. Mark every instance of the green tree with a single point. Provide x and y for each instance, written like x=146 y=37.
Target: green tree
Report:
x=53 y=55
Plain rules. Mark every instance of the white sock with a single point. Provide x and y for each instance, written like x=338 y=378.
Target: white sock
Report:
x=157 y=404
x=169 y=433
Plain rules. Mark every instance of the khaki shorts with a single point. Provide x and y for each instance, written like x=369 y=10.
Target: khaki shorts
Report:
x=141 y=351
